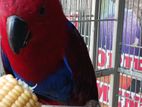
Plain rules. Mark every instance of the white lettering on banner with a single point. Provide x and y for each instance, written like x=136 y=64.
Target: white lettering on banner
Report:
x=126 y=98
x=127 y=61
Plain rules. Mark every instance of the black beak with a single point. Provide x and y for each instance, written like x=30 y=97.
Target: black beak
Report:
x=18 y=32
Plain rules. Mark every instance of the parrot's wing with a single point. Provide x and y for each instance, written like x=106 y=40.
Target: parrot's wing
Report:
x=85 y=87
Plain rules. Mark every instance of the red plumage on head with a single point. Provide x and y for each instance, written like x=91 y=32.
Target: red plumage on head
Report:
x=45 y=50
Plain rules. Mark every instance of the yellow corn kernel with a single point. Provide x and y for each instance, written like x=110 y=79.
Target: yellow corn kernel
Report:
x=5 y=102
x=15 y=92
x=14 y=105
x=28 y=105
x=5 y=88
x=9 y=85
x=21 y=100
x=1 y=84
x=31 y=101
x=3 y=92
x=1 y=97
x=12 y=81
x=9 y=99
x=24 y=97
x=2 y=104
x=17 y=103
x=34 y=97
x=27 y=93
x=12 y=95
x=8 y=76
x=18 y=88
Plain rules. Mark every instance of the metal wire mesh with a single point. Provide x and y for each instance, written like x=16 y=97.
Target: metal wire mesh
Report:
x=131 y=54
x=82 y=14
x=79 y=13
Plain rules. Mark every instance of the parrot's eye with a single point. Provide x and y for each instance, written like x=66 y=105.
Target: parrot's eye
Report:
x=42 y=10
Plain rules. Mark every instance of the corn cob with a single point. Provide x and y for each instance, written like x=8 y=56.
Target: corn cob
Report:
x=12 y=94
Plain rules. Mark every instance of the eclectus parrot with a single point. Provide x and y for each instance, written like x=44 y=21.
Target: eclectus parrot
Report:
x=43 y=49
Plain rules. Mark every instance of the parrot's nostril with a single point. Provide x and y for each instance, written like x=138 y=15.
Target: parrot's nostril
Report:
x=41 y=10
x=17 y=31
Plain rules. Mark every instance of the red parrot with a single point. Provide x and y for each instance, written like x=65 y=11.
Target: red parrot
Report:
x=41 y=47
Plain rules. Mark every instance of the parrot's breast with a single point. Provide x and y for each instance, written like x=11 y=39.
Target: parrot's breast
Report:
x=57 y=87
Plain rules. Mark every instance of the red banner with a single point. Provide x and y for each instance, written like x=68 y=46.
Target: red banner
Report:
x=126 y=98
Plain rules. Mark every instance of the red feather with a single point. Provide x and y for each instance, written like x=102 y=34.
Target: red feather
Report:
x=46 y=49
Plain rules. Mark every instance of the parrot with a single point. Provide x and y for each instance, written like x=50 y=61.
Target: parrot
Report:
x=41 y=47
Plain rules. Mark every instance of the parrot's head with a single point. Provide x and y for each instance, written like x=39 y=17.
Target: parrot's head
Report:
x=34 y=35
x=25 y=18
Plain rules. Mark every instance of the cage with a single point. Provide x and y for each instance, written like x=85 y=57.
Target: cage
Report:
x=112 y=32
